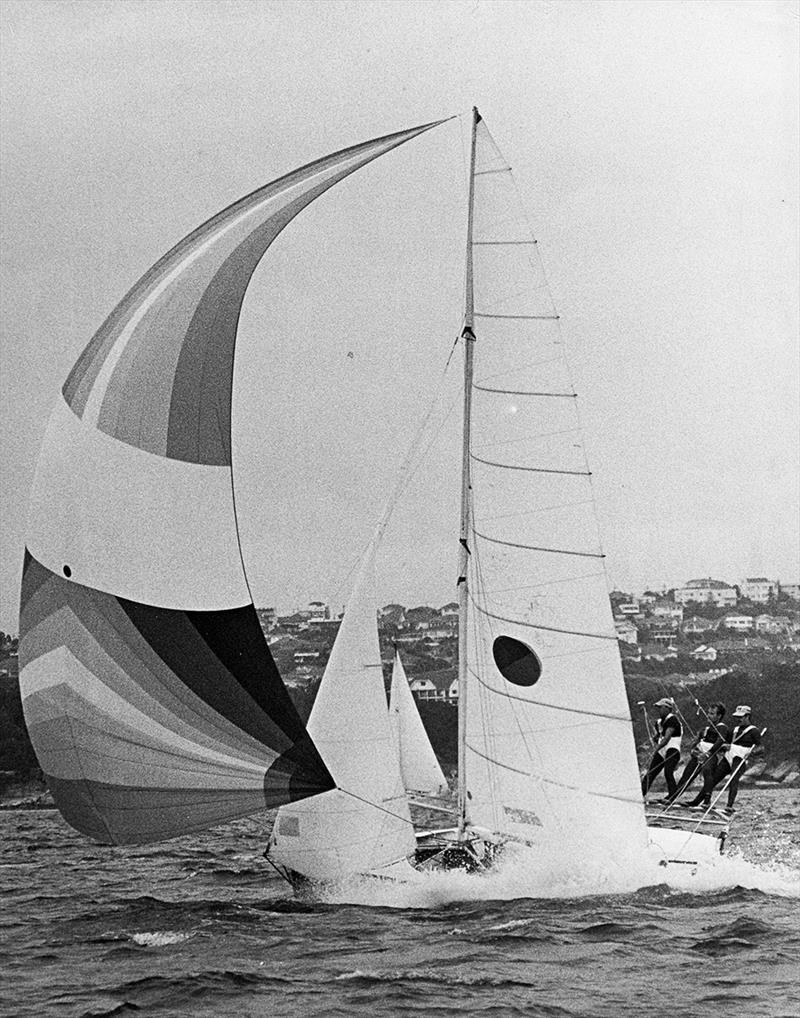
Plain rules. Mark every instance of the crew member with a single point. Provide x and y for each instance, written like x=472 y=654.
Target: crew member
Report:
x=667 y=750
x=704 y=750
x=744 y=739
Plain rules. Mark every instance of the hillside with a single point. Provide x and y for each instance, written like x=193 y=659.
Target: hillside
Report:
x=773 y=692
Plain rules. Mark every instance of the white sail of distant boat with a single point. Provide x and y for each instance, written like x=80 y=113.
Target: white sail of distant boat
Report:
x=422 y=773
x=364 y=825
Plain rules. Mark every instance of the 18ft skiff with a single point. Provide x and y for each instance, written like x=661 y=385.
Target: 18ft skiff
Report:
x=151 y=698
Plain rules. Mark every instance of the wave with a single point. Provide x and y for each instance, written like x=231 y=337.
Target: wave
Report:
x=160 y=938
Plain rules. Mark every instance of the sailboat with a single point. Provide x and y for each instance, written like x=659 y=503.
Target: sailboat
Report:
x=153 y=702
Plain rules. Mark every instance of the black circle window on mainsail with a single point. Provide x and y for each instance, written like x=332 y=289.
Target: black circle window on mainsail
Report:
x=516 y=661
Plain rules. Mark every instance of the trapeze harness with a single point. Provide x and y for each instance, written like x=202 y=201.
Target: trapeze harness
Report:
x=708 y=739
x=739 y=749
x=670 y=721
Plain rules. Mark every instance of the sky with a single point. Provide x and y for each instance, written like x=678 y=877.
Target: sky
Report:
x=655 y=146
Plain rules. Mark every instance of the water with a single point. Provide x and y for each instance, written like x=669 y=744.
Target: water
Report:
x=200 y=927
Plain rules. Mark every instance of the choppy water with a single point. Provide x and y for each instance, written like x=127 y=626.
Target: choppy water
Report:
x=200 y=927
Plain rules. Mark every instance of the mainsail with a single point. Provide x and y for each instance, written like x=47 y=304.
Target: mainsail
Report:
x=418 y=764
x=151 y=699
x=364 y=825
x=548 y=744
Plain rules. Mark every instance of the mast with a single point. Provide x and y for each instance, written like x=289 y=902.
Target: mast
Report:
x=468 y=335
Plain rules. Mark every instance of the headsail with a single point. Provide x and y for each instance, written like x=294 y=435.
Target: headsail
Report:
x=364 y=825
x=418 y=764
x=549 y=746
x=152 y=701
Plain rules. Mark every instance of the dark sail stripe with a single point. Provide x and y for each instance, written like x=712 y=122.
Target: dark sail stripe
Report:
x=129 y=756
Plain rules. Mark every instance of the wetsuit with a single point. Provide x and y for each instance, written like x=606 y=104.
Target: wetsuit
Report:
x=733 y=761
x=703 y=756
x=667 y=758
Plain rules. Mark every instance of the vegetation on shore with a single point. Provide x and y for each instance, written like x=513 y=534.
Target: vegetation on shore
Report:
x=772 y=690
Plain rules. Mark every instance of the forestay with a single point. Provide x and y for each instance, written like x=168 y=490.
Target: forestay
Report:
x=364 y=825
x=152 y=701
x=549 y=746
x=418 y=764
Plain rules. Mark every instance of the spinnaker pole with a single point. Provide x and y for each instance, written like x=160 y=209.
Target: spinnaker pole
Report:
x=468 y=335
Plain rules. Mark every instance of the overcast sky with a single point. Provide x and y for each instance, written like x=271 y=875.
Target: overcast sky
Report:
x=656 y=149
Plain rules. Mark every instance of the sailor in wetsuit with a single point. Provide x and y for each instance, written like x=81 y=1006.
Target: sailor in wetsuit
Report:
x=704 y=748
x=667 y=749
x=743 y=740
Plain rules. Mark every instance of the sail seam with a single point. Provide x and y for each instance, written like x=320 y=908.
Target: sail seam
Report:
x=531 y=470
x=482 y=173
x=550 y=706
x=534 y=512
x=535 y=625
x=495 y=243
x=536 y=437
x=549 y=583
x=533 y=547
x=553 y=781
x=491 y=759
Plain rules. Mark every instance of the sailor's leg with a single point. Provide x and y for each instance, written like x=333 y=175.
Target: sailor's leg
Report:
x=709 y=771
x=688 y=776
x=671 y=761
x=733 y=787
x=654 y=768
x=719 y=773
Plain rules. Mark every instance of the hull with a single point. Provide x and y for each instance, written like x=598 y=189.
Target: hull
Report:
x=400 y=871
x=686 y=840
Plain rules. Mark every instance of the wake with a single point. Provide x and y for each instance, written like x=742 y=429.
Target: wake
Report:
x=525 y=874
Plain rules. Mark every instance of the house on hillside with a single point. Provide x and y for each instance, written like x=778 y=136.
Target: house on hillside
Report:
x=772 y=624
x=295 y=623
x=741 y=623
x=759 y=589
x=707 y=591
x=704 y=653
x=667 y=610
x=663 y=633
x=626 y=631
x=439 y=685
x=324 y=626
x=696 y=624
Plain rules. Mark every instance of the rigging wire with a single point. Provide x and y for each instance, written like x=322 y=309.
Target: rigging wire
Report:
x=368 y=802
x=411 y=463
